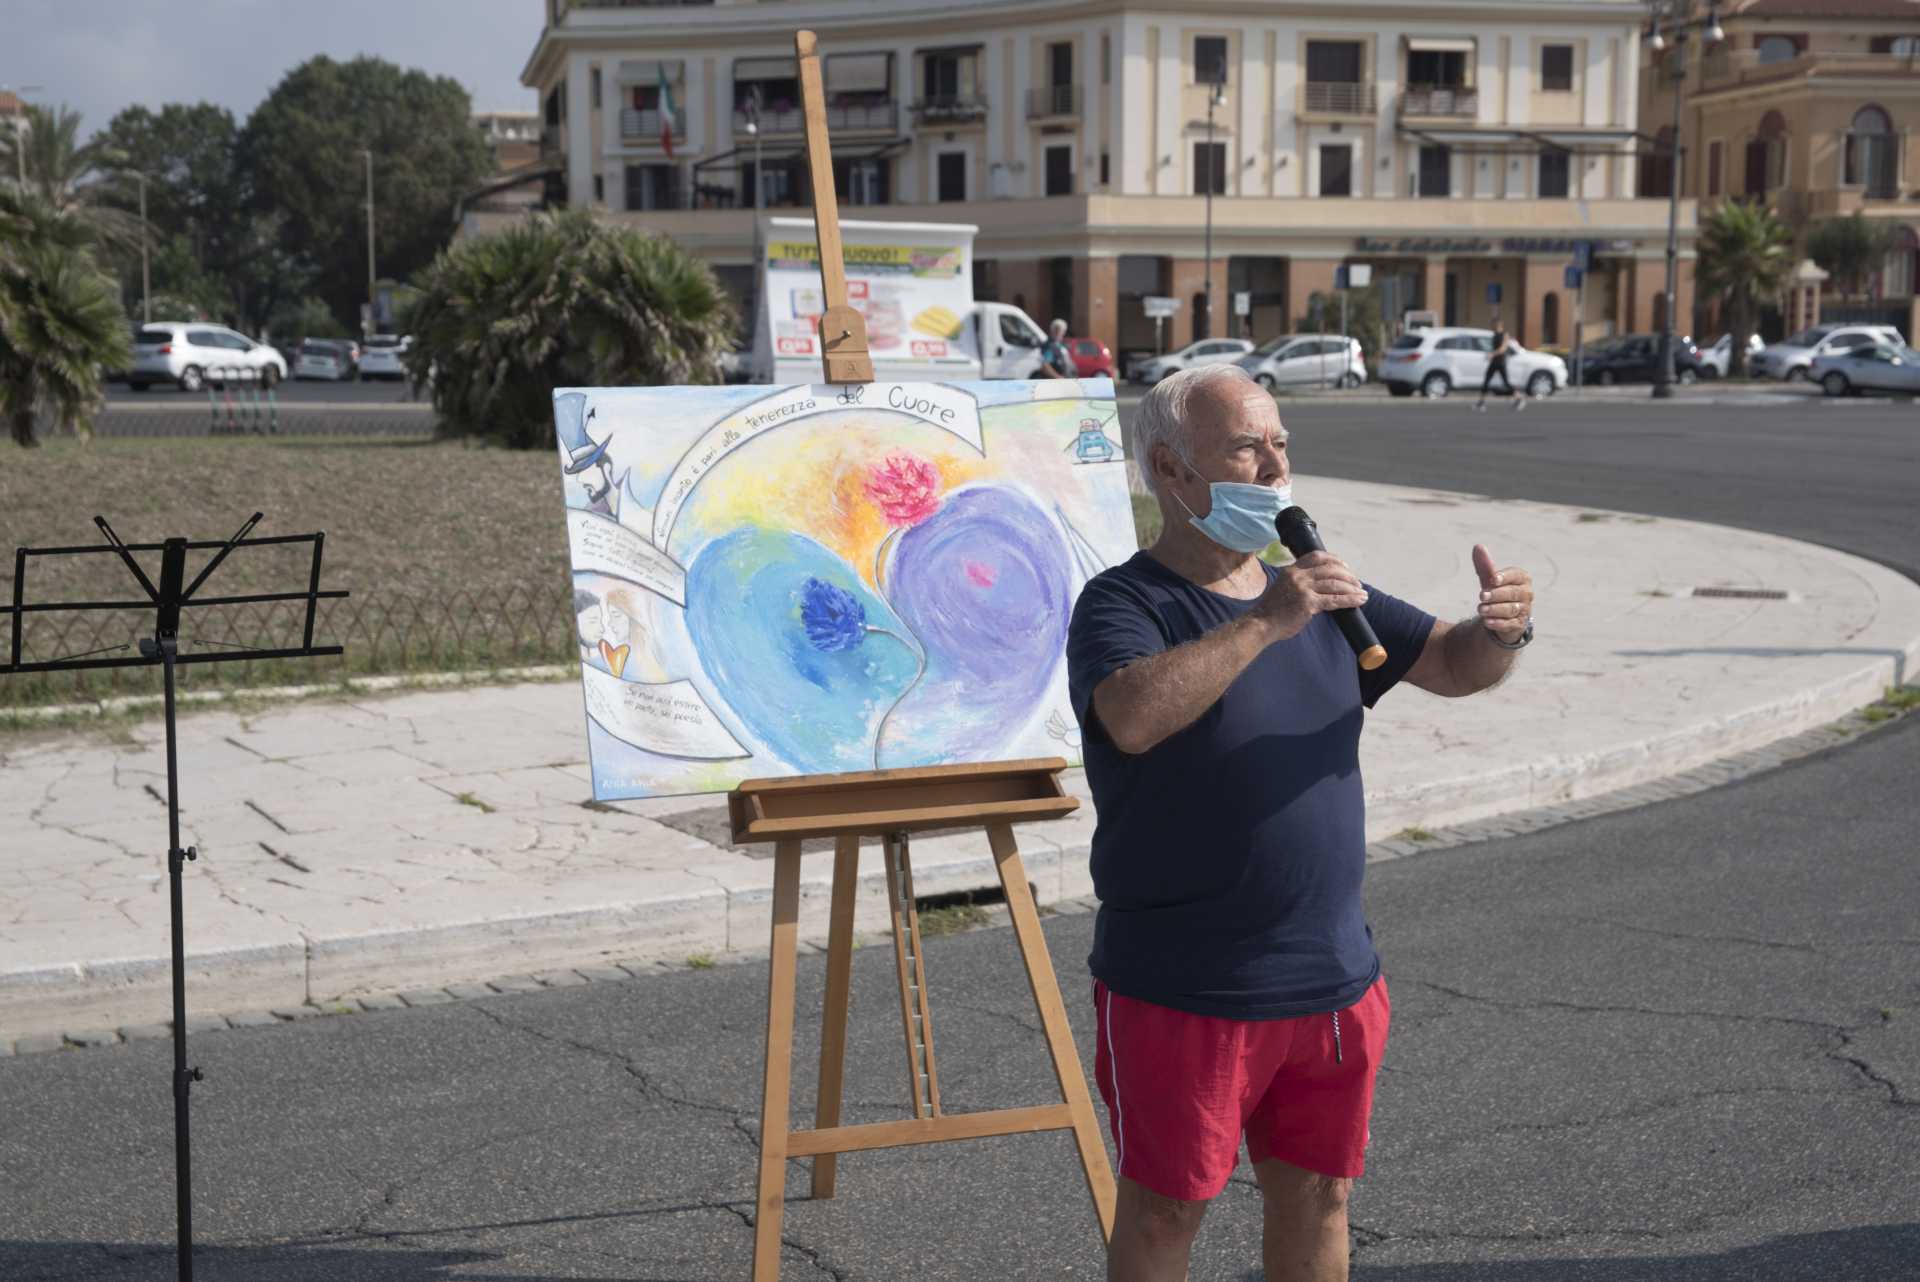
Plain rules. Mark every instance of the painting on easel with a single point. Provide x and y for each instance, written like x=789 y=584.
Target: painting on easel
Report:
x=805 y=580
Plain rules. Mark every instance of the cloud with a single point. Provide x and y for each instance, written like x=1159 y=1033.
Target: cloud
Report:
x=100 y=56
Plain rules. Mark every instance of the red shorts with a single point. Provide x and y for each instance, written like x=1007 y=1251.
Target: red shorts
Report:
x=1181 y=1089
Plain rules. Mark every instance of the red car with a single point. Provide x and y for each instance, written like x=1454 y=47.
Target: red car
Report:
x=1091 y=358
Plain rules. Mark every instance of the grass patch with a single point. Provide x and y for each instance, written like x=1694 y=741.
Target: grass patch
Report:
x=1657 y=592
x=468 y=799
x=456 y=555
x=1592 y=518
x=952 y=919
x=1416 y=833
x=1902 y=698
x=700 y=961
x=1874 y=713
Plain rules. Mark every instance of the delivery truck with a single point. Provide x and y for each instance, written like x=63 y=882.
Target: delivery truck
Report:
x=913 y=282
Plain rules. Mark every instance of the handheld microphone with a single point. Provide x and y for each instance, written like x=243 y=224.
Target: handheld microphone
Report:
x=1302 y=536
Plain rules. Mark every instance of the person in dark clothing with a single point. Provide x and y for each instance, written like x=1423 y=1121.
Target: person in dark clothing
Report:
x=1497 y=365
x=1237 y=995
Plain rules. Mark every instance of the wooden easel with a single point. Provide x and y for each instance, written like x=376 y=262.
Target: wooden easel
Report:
x=891 y=805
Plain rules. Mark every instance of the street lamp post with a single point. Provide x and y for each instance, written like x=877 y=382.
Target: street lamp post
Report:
x=372 y=301
x=1710 y=29
x=1216 y=96
x=146 y=279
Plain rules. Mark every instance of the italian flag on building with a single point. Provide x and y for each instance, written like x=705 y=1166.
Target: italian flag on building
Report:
x=666 y=114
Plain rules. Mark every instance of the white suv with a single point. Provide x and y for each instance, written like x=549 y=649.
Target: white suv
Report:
x=1434 y=362
x=192 y=354
x=1791 y=358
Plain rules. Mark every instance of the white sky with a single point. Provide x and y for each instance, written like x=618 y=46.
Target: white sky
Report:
x=99 y=56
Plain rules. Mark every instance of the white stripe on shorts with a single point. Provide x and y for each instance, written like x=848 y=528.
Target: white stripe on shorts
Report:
x=1119 y=1125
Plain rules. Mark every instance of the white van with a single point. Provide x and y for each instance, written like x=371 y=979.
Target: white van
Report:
x=913 y=282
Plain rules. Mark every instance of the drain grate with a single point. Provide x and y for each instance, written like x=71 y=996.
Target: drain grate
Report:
x=1742 y=594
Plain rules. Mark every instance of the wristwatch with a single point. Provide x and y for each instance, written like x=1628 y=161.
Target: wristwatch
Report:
x=1526 y=638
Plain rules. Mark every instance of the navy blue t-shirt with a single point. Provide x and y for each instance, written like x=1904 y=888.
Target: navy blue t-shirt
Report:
x=1228 y=857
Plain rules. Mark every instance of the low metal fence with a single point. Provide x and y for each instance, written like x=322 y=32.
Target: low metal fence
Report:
x=382 y=632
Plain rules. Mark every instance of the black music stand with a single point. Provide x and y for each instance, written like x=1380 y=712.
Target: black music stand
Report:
x=162 y=648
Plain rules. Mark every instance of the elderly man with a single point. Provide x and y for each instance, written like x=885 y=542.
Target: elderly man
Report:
x=1237 y=989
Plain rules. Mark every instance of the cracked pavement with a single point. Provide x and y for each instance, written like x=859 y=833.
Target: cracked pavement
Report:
x=383 y=844
x=1680 y=1042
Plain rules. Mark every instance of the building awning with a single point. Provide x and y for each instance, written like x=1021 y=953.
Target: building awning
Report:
x=796 y=153
x=1440 y=44
x=958 y=51
x=766 y=69
x=649 y=72
x=859 y=72
x=1578 y=141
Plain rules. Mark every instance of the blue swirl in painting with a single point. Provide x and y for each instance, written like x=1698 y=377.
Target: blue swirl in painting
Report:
x=986 y=587
x=780 y=625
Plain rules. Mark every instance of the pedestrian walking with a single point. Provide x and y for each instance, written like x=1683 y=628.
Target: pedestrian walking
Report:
x=1055 y=360
x=1237 y=991
x=1503 y=344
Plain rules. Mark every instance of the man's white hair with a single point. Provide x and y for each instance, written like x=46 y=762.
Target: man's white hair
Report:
x=1162 y=416
x=1058 y=324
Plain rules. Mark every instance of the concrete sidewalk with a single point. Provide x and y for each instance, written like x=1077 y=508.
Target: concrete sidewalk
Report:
x=391 y=843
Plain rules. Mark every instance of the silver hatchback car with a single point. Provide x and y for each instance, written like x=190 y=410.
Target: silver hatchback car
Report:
x=192 y=354
x=1306 y=360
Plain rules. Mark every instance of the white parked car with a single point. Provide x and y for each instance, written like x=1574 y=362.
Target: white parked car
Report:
x=382 y=356
x=325 y=358
x=191 y=355
x=1208 y=351
x=1792 y=358
x=1715 y=360
x=1434 y=362
x=1881 y=367
x=1306 y=360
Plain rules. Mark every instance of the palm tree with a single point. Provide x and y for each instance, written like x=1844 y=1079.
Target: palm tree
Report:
x=61 y=326
x=1746 y=257
x=560 y=300
x=71 y=178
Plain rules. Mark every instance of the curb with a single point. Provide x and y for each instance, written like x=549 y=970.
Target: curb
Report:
x=1408 y=842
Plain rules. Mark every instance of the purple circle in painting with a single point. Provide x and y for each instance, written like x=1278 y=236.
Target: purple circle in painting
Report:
x=986 y=587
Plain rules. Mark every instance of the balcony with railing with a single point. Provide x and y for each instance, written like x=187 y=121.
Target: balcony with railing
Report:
x=950 y=108
x=1341 y=98
x=774 y=121
x=1052 y=101
x=1451 y=102
x=644 y=125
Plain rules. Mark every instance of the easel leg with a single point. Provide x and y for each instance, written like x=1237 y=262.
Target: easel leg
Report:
x=774 y=1113
x=1053 y=1018
x=833 y=1033
x=915 y=1014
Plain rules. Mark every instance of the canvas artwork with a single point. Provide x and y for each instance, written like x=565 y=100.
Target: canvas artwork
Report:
x=811 y=579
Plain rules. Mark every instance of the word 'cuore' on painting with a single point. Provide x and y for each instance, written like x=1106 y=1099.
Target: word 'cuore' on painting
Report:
x=804 y=580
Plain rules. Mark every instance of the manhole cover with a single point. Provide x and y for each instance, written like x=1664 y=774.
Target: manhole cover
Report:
x=1743 y=594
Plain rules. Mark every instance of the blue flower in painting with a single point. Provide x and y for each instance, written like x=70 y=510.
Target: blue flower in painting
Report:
x=834 y=619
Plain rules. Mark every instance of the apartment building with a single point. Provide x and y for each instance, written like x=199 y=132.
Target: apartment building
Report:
x=1460 y=147
x=1812 y=106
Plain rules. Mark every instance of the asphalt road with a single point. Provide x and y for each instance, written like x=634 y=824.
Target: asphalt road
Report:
x=1841 y=473
x=1678 y=1043
x=371 y=392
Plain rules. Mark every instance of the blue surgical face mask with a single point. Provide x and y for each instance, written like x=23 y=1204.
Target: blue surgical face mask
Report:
x=1242 y=515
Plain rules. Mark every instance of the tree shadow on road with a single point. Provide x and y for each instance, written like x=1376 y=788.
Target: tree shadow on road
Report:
x=156 y=1262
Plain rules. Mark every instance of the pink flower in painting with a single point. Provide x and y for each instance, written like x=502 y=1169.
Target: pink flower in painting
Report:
x=905 y=488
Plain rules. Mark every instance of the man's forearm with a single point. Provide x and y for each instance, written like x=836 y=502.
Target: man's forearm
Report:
x=1475 y=659
x=1152 y=699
